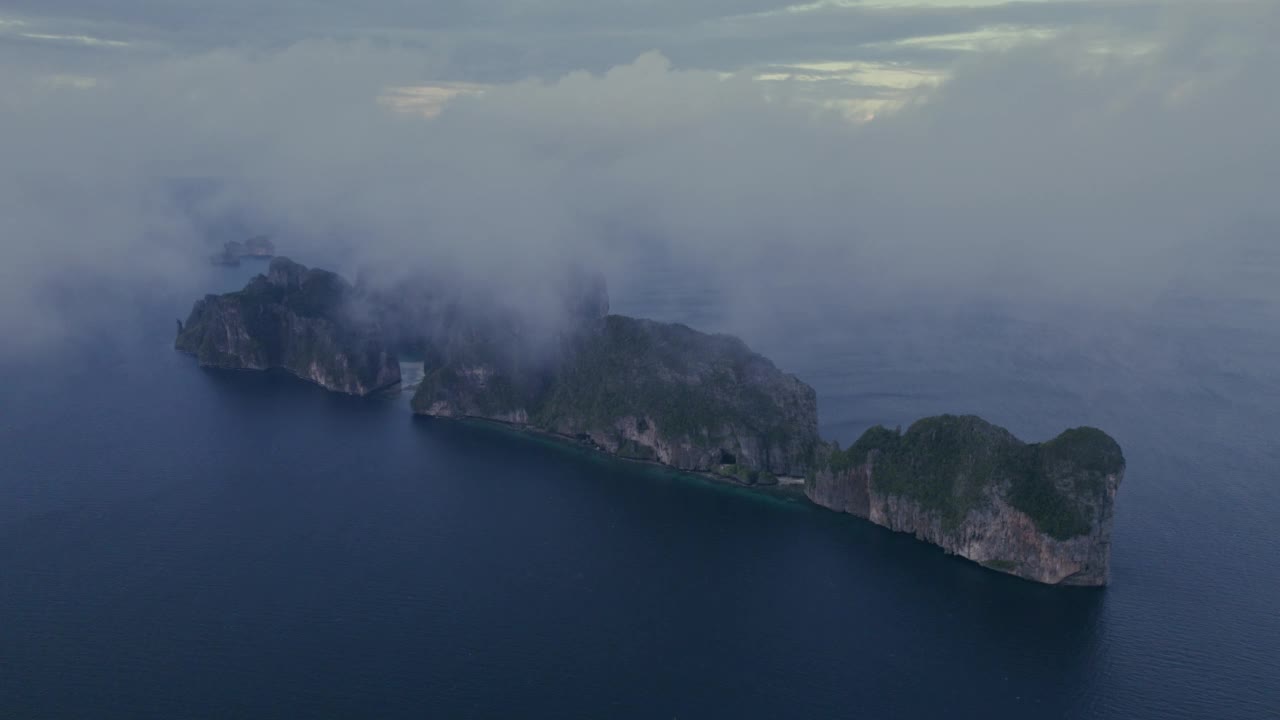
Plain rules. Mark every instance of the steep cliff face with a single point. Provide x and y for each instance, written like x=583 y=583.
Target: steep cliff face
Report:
x=665 y=393
x=690 y=400
x=646 y=391
x=1039 y=511
x=292 y=319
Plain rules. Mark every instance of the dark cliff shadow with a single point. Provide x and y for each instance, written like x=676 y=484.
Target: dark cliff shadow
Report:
x=511 y=441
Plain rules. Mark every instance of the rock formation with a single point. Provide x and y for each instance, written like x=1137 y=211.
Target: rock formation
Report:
x=647 y=391
x=1040 y=511
x=665 y=393
x=292 y=319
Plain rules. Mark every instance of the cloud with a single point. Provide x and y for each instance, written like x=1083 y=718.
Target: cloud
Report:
x=500 y=41
x=1063 y=172
x=76 y=39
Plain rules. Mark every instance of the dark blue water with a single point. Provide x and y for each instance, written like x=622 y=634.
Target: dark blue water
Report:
x=176 y=543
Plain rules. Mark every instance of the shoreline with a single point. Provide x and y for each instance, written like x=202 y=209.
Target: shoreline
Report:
x=787 y=487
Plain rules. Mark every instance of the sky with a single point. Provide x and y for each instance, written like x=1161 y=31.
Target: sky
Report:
x=838 y=50
x=1052 y=153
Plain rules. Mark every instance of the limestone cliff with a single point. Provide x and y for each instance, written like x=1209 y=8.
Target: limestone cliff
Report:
x=1039 y=511
x=292 y=319
x=646 y=391
x=666 y=393
x=694 y=401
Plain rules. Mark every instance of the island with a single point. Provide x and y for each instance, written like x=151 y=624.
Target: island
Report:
x=1042 y=511
x=296 y=320
x=665 y=393
x=643 y=390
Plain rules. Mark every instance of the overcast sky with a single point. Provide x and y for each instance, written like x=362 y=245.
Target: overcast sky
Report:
x=844 y=48
x=1069 y=151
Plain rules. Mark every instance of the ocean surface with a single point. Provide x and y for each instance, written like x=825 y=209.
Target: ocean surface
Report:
x=180 y=543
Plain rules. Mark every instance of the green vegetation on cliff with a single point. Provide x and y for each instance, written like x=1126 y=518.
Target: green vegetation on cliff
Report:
x=952 y=465
x=1067 y=475
x=666 y=393
x=1088 y=449
x=643 y=390
x=711 y=390
x=689 y=383
x=293 y=319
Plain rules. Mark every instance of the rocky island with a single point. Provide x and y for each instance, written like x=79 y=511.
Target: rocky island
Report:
x=643 y=390
x=1040 y=511
x=696 y=402
x=296 y=320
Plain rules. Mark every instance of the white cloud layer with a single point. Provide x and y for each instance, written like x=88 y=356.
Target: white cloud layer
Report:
x=1057 y=172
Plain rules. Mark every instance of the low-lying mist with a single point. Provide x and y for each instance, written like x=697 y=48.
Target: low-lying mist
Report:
x=1078 y=178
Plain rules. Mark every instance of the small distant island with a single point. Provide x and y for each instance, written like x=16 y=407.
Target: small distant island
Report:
x=695 y=402
x=259 y=246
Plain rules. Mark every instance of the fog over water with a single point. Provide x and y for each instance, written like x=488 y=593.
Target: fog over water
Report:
x=1099 y=170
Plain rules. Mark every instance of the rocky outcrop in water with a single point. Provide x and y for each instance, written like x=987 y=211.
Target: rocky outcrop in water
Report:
x=668 y=394
x=296 y=320
x=1042 y=511
x=651 y=391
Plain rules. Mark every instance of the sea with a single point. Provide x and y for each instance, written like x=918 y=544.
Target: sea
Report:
x=184 y=543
